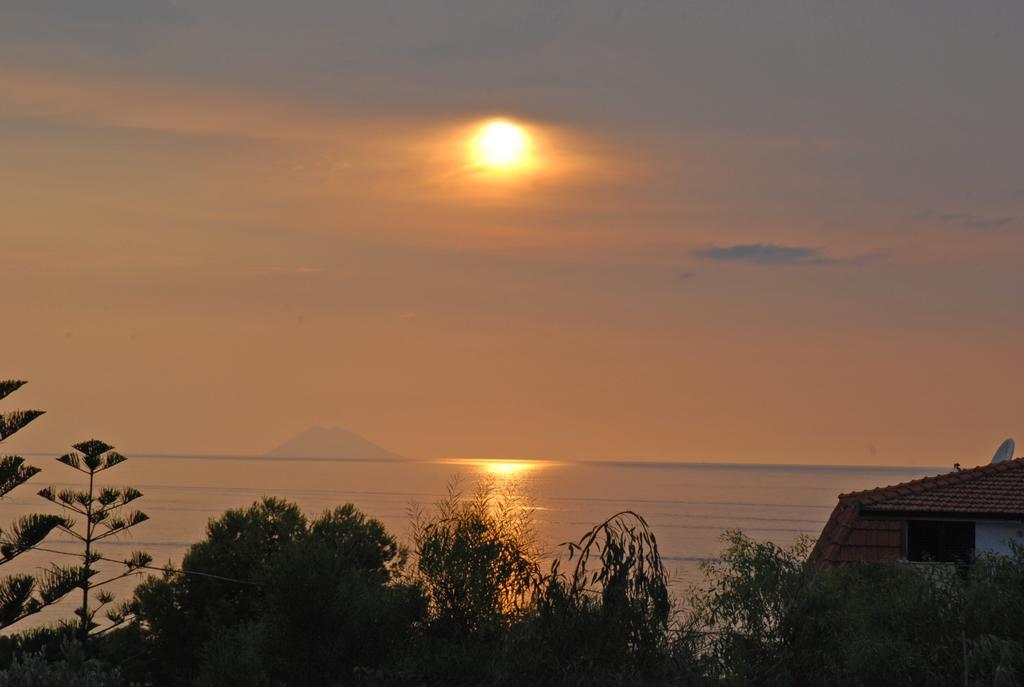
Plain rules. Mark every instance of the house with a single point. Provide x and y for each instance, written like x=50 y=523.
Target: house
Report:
x=945 y=518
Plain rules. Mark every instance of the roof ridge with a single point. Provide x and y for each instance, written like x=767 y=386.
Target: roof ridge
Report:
x=933 y=482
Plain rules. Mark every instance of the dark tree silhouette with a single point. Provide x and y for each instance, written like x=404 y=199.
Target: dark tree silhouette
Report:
x=105 y=514
x=22 y=595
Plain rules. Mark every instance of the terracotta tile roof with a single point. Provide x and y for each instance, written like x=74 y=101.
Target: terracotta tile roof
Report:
x=996 y=489
x=849 y=536
x=858 y=529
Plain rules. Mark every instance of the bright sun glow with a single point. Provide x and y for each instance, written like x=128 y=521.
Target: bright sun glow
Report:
x=501 y=469
x=502 y=145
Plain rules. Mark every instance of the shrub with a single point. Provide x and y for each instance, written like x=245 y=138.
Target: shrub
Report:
x=306 y=603
x=605 y=621
x=496 y=619
x=737 y=622
x=477 y=559
x=335 y=601
x=71 y=670
x=769 y=618
x=180 y=613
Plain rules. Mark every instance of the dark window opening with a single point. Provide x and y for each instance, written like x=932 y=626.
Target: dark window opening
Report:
x=940 y=541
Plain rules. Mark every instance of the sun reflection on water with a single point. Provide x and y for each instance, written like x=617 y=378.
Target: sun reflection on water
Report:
x=509 y=469
x=502 y=469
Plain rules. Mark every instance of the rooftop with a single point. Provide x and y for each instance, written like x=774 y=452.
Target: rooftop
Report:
x=863 y=526
x=996 y=489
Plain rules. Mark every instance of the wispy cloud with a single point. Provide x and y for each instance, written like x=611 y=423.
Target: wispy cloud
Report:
x=167 y=107
x=768 y=254
x=967 y=220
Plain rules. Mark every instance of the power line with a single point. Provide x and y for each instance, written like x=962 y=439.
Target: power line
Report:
x=151 y=567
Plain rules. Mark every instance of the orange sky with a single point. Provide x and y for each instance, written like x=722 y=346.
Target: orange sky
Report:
x=786 y=235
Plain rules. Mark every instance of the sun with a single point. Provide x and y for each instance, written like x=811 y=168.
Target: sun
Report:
x=502 y=145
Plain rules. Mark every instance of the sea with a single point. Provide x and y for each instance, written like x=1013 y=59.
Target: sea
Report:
x=687 y=505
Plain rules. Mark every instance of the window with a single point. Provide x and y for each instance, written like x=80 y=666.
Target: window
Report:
x=940 y=540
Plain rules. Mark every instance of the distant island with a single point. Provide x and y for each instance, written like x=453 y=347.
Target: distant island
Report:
x=331 y=442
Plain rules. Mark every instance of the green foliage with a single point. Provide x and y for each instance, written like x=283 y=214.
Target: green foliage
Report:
x=22 y=595
x=863 y=624
x=15 y=598
x=477 y=559
x=604 y=622
x=238 y=546
x=768 y=618
x=629 y=580
x=271 y=599
x=995 y=596
x=334 y=601
x=740 y=618
x=72 y=669
x=26 y=533
x=497 y=619
x=182 y=613
x=9 y=386
x=236 y=657
x=307 y=603
x=994 y=618
x=15 y=420
x=105 y=514
x=93 y=456
x=14 y=473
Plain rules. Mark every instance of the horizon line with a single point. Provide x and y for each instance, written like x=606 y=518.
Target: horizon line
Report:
x=612 y=462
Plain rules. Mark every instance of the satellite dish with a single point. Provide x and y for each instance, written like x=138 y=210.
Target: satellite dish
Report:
x=1004 y=452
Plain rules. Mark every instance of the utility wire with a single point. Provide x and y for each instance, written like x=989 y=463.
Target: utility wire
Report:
x=150 y=567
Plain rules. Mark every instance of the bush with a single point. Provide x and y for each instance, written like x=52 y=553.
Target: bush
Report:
x=497 y=620
x=181 y=613
x=872 y=624
x=334 y=601
x=331 y=602
x=477 y=565
x=477 y=560
x=768 y=618
x=737 y=626
x=994 y=619
x=605 y=620
x=71 y=670
x=313 y=601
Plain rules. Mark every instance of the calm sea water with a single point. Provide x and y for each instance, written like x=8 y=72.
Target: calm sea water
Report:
x=688 y=505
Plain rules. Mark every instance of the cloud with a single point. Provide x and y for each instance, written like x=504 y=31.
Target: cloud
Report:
x=967 y=220
x=766 y=254
x=171 y=108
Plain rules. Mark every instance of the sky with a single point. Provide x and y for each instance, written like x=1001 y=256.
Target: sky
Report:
x=785 y=232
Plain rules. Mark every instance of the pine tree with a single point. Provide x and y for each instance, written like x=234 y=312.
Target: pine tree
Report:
x=105 y=514
x=22 y=595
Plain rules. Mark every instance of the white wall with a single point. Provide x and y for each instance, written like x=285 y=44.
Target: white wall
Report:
x=991 y=536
